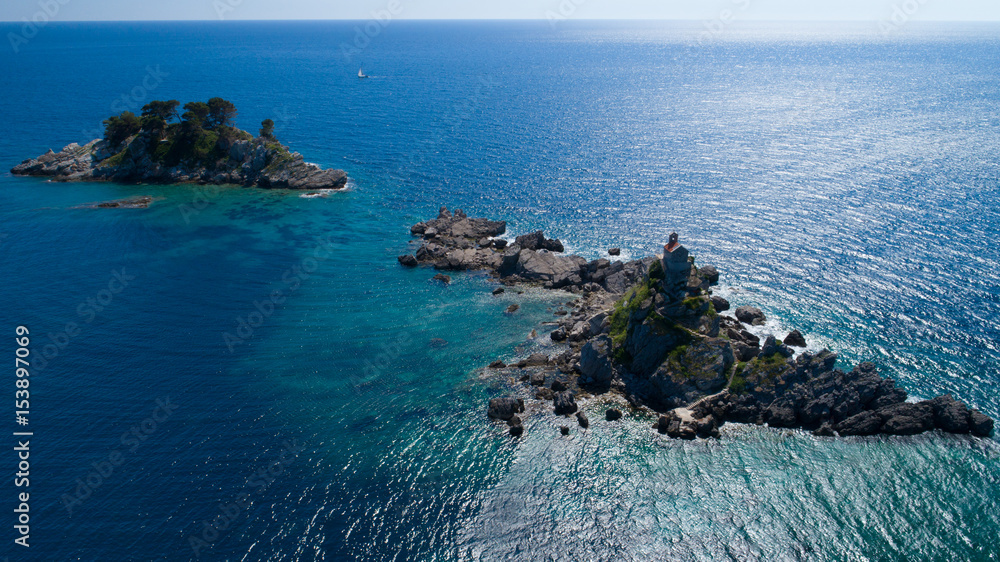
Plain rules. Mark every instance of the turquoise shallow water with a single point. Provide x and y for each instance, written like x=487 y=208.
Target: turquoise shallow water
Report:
x=844 y=182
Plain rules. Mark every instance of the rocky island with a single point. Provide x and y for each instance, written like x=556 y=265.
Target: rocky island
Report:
x=651 y=330
x=199 y=146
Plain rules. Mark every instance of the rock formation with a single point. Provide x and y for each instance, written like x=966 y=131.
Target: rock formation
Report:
x=651 y=330
x=238 y=159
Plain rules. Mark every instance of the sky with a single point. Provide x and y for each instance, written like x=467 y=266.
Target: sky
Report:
x=821 y=10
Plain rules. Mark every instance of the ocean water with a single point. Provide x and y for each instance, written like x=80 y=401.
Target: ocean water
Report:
x=843 y=180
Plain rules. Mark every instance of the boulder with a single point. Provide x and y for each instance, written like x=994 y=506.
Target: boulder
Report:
x=564 y=403
x=546 y=266
x=663 y=424
x=744 y=352
x=581 y=418
x=406 y=260
x=769 y=348
x=595 y=361
x=534 y=360
x=558 y=335
x=564 y=429
x=614 y=251
x=544 y=393
x=865 y=423
x=710 y=274
x=613 y=414
x=498 y=364
x=558 y=386
x=981 y=424
x=825 y=430
x=537 y=241
x=442 y=278
x=516 y=430
x=505 y=408
x=498 y=291
x=795 y=339
x=720 y=304
x=512 y=309
x=950 y=415
x=907 y=418
x=750 y=315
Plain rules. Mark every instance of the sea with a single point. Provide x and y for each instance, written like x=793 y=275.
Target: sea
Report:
x=245 y=374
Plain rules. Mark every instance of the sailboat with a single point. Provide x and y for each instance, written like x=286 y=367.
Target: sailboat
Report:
x=361 y=74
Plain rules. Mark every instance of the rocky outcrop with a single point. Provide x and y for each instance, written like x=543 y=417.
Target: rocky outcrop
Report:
x=237 y=158
x=596 y=364
x=564 y=403
x=538 y=241
x=750 y=315
x=650 y=330
x=453 y=241
x=505 y=408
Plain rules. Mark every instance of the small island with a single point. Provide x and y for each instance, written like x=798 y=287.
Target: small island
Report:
x=202 y=145
x=651 y=331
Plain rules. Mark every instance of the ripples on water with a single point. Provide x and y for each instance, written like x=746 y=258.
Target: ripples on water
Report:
x=844 y=183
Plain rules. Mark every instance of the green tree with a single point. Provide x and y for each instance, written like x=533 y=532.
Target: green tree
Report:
x=165 y=110
x=267 y=129
x=196 y=112
x=221 y=113
x=154 y=125
x=118 y=129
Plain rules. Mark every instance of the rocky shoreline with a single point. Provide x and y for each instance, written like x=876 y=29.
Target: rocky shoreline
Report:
x=651 y=331
x=247 y=162
x=202 y=145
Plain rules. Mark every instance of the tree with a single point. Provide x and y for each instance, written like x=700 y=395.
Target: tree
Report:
x=195 y=112
x=118 y=129
x=154 y=124
x=267 y=129
x=165 y=110
x=221 y=113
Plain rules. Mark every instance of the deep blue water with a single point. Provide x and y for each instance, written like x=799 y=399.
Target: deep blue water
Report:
x=844 y=181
